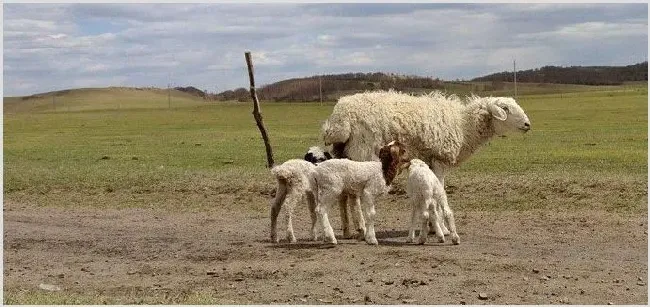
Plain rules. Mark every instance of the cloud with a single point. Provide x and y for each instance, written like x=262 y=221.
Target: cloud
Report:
x=55 y=46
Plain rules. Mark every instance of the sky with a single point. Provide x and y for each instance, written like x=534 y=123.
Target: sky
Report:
x=60 y=46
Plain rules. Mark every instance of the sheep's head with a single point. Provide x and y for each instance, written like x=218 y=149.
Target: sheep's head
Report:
x=508 y=116
x=393 y=156
x=316 y=155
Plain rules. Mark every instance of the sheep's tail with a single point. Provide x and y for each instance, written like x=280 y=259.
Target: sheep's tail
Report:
x=281 y=172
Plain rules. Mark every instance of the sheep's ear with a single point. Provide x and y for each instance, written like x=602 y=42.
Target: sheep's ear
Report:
x=497 y=112
x=327 y=155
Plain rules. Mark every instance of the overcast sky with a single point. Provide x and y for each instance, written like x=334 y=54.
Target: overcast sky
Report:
x=51 y=46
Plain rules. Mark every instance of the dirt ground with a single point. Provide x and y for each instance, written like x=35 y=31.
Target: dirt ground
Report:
x=224 y=256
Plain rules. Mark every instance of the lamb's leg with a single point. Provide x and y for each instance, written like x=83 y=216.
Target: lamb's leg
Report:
x=369 y=212
x=413 y=223
x=311 y=201
x=440 y=171
x=280 y=195
x=424 y=220
x=345 y=222
x=322 y=207
x=449 y=218
x=357 y=216
x=292 y=199
x=434 y=218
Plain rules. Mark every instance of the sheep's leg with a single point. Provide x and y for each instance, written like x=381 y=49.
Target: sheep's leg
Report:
x=322 y=206
x=369 y=212
x=449 y=218
x=311 y=201
x=424 y=220
x=291 y=200
x=280 y=195
x=413 y=223
x=357 y=217
x=345 y=222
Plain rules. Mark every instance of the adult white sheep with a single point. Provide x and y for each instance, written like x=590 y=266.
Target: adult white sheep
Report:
x=441 y=130
x=428 y=195
x=364 y=180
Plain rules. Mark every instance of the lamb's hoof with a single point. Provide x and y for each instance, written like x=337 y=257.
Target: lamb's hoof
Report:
x=410 y=240
x=441 y=239
x=422 y=240
x=361 y=234
x=455 y=239
x=275 y=240
x=372 y=241
x=330 y=240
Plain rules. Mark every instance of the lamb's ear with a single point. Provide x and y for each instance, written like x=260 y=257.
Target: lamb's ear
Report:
x=497 y=112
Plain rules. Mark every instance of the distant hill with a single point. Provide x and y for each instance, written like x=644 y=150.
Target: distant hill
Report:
x=109 y=98
x=588 y=75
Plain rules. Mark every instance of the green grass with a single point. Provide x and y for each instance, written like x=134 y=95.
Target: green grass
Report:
x=145 y=157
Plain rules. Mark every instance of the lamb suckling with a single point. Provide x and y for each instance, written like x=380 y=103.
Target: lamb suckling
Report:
x=365 y=180
x=427 y=195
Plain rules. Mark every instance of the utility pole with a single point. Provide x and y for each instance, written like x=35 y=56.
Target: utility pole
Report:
x=514 y=69
x=320 y=89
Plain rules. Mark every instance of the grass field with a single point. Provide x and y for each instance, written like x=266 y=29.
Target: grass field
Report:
x=88 y=158
x=586 y=152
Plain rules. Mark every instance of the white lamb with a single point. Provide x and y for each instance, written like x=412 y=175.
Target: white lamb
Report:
x=428 y=195
x=295 y=181
x=441 y=130
x=364 y=180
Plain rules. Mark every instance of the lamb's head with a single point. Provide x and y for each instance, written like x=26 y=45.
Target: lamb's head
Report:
x=507 y=116
x=393 y=156
x=316 y=154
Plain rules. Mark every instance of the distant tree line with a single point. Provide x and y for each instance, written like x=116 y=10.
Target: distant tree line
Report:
x=587 y=75
x=332 y=86
x=335 y=85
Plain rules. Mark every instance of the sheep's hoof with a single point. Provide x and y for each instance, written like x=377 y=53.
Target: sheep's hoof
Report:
x=422 y=240
x=455 y=239
x=441 y=239
x=275 y=240
x=330 y=240
x=410 y=240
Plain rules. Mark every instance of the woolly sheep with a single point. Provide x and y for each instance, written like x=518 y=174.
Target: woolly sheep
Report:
x=294 y=182
x=441 y=130
x=427 y=194
x=365 y=180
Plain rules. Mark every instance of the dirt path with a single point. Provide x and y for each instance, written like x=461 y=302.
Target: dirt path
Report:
x=146 y=256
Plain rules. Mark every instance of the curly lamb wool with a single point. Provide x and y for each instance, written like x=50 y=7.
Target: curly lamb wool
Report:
x=364 y=180
x=428 y=195
x=295 y=181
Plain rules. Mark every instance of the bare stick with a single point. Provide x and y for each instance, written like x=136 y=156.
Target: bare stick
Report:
x=256 y=111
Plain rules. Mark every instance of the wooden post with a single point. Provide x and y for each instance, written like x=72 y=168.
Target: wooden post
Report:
x=256 y=111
